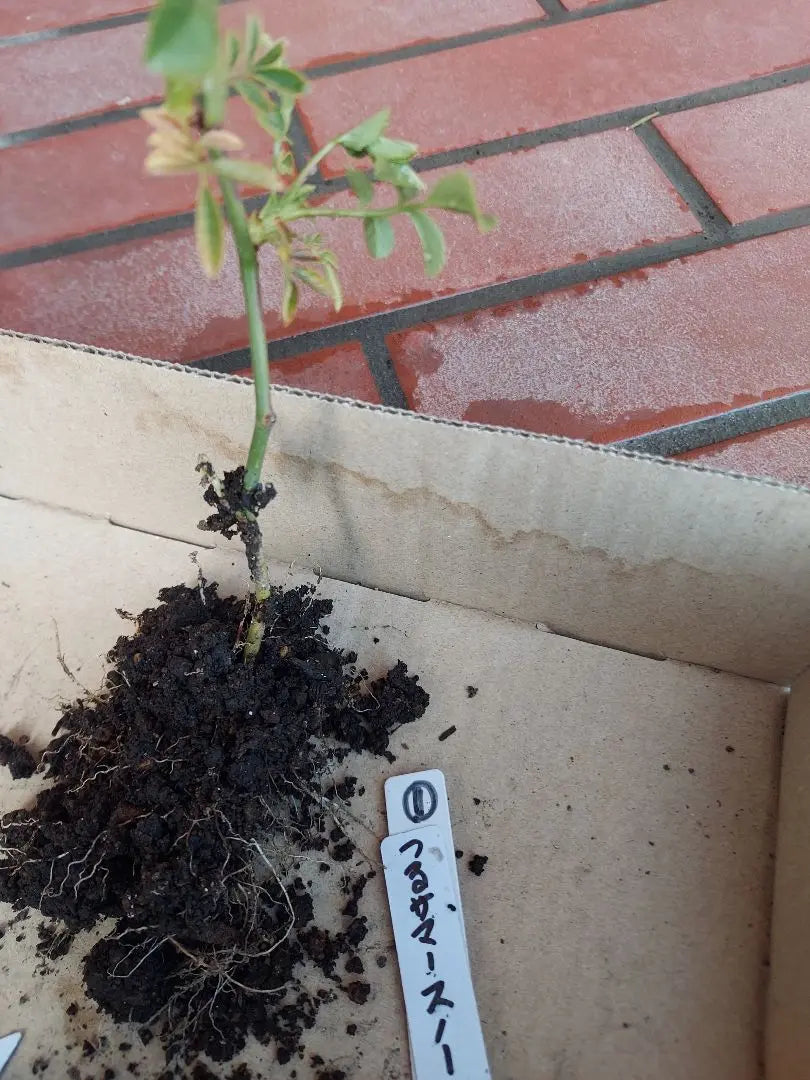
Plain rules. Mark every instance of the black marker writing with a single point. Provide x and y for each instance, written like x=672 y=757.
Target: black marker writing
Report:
x=434 y=991
x=448 y=1060
x=425 y=929
x=413 y=843
x=419 y=879
x=420 y=801
x=420 y=905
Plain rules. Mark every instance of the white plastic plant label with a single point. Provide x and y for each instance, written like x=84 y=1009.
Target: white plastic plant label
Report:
x=414 y=800
x=443 y=1024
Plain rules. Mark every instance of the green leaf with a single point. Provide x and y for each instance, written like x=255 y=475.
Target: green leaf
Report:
x=253 y=95
x=283 y=80
x=379 y=236
x=283 y=158
x=268 y=115
x=432 y=240
x=455 y=192
x=313 y=278
x=231 y=49
x=289 y=301
x=215 y=97
x=253 y=173
x=358 y=140
x=403 y=178
x=273 y=54
x=209 y=231
x=182 y=38
x=323 y=281
x=335 y=291
x=253 y=30
x=272 y=120
x=392 y=149
x=361 y=185
x=180 y=96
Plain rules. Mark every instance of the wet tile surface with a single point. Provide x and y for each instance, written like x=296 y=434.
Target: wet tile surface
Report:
x=632 y=353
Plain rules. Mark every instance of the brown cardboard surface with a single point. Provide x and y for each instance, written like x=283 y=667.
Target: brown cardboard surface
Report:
x=658 y=559
x=622 y=939
x=788 y=1034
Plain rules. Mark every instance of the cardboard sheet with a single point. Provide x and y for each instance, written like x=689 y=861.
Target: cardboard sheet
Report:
x=658 y=559
x=620 y=928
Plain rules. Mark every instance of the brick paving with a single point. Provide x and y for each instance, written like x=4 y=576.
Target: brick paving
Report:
x=642 y=277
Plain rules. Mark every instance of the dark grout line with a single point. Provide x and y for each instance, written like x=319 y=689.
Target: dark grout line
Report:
x=300 y=142
x=696 y=434
x=426 y=48
x=73 y=245
x=712 y=219
x=382 y=369
x=109 y=22
x=384 y=323
x=103 y=238
x=75 y=123
x=609 y=7
x=553 y=8
x=75 y=29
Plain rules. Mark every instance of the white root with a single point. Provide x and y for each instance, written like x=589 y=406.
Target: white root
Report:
x=158 y=943
x=103 y=770
x=80 y=862
x=219 y=973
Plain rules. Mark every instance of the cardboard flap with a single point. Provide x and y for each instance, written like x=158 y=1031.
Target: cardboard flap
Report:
x=788 y=1029
x=630 y=552
x=619 y=929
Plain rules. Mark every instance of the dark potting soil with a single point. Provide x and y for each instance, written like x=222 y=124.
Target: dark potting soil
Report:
x=19 y=760
x=183 y=794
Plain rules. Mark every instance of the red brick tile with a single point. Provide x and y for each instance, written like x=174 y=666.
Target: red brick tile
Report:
x=557 y=204
x=55 y=80
x=25 y=17
x=316 y=35
x=625 y=355
x=343 y=372
x=780 y=454
x=752 y=155
x=51 y=81
x=49 y=193
x=567 y=72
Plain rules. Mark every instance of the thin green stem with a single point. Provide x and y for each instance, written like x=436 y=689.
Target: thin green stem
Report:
x=327 y=212
x=249 y=274
x=265 y=417
x=311 y=166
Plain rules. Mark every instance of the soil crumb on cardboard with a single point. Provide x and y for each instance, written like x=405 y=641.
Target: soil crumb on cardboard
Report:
x=477 y=864
x=183 y=798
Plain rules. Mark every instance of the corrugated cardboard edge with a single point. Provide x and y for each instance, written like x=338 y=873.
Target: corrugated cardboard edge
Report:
x=577 y=444
x=595 y=542
x=788 y=1028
